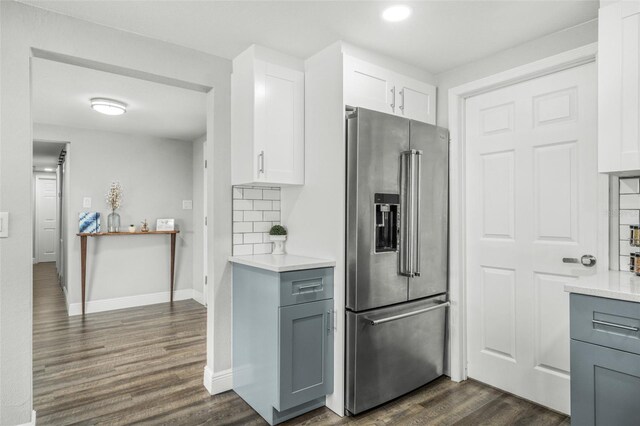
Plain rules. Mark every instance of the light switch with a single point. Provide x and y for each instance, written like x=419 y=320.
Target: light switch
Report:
x=86 y=202
x=4 y=224
x=187 y=204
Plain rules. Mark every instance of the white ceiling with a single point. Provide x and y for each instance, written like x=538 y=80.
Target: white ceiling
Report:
x=440 y=35
x=46 y=154
x=61 y=94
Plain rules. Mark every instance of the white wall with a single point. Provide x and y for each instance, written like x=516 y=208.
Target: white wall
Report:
x=525 y=53
x=156 y=175
x=314 y=214
x=23 y=28
x=197 y=165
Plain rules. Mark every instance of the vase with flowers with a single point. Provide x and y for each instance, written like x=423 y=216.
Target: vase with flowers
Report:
x=114 y=201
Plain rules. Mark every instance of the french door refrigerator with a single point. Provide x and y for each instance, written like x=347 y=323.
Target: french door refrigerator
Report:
x=396 y=284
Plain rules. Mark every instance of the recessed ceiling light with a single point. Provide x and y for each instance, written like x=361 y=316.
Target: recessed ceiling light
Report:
x=396 y=13
x=108 y=106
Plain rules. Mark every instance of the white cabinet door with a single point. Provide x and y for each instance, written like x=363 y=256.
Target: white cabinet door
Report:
x=619 y=88
x=417 y=100
x=368 y=86
x=267 y=120
x=279 y=131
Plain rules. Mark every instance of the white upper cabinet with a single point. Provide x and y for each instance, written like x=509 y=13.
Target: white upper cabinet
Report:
x=619 y=88
x=370 y=86
x=267 y=119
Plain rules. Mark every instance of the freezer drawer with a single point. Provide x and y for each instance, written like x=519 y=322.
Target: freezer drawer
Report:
x=392 y=351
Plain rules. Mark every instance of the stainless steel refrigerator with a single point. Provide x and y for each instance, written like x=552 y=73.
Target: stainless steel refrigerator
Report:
x=397 y=207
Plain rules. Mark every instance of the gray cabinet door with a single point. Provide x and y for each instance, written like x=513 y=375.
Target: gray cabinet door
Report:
x=306 y=353
x=605 y=385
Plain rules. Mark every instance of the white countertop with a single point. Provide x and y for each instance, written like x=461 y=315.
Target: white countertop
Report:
x=610 y=284
x=282 y=262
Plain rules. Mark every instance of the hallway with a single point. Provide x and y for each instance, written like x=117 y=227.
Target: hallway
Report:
x=119 y=367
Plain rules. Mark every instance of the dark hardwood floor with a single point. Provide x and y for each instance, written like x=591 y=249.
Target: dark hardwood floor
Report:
x=145 y=366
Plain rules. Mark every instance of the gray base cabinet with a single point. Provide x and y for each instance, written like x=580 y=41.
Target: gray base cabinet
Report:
x=605 y=361
x=282 y=340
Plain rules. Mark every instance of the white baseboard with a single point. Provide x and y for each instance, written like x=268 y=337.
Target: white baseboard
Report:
x=34 y=260
x=33 y=419
x=219 y=382
x=198 y=297
x=93 y=306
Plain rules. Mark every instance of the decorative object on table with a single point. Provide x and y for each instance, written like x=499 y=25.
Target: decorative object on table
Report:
x=114 y=201
x=132 y=228
x=278 y=235
x=145 y=226
x=165 y=225
x=89 y=222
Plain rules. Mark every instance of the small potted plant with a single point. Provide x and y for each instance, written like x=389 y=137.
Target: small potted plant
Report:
x=278 y=235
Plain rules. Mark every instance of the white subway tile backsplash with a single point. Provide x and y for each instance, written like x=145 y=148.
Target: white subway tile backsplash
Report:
x=252 y=238
x=242 y=249
x=262 y=248
x=252 y=216
x=271 y=215
x=630 y=186
x=262 y=205
x=239 y=227
x=626 y=249
x=252 y=194
x=629 y=217
x=255 y=210
x=629 y=201
x=270 y=194
x=261 y=226
x=242 y=205
x=624 y=263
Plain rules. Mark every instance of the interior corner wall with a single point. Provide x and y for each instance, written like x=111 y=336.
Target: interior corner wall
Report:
x=23 y=28
x=540 y=48
x=156 y=176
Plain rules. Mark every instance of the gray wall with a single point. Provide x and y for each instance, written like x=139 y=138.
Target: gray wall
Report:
x=23 y=28
x=156 y=175
x=553 y=44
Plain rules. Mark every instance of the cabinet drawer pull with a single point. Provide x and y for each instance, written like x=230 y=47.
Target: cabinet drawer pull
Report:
x=612 y=324
x=305 y=287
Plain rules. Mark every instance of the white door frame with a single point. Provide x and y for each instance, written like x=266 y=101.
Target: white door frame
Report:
x=457 y=195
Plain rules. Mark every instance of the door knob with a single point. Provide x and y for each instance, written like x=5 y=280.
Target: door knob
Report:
x=586 y=260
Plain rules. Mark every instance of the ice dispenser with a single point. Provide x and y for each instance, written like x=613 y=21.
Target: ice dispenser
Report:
x=386 y=222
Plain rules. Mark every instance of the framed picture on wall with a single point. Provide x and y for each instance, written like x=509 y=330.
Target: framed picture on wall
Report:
x=165 y=225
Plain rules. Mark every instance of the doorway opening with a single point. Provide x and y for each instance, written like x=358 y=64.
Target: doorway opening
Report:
x=106 y=322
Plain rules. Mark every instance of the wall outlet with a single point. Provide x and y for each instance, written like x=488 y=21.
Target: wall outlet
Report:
x=86 y=202
x=4 y=224
x=187 y=204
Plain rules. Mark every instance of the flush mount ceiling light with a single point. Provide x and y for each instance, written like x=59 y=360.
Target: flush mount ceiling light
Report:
x=396 y=13
x=108 y=106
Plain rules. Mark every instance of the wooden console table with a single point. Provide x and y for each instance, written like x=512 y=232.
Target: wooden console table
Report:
x=83 y=253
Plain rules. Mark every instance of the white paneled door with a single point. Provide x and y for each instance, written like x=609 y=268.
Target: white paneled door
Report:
x=531 y=201
x=46 y=219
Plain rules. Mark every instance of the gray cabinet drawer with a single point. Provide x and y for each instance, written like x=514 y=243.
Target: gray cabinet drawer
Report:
x=305 y=286
x=606 y=322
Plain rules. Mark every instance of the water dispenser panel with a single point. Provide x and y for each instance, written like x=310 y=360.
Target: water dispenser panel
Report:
x=387 y=227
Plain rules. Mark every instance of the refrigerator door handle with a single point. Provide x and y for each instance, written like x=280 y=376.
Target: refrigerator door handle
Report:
x=408 y=314
x=418 y=190
x=406 y=189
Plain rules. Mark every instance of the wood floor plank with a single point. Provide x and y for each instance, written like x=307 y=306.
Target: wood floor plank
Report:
x=145 y=365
